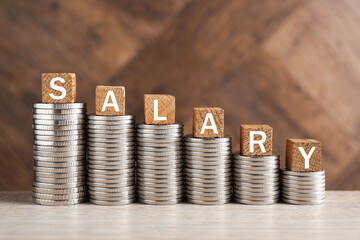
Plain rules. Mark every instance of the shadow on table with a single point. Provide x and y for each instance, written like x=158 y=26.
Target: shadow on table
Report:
x=23 y=198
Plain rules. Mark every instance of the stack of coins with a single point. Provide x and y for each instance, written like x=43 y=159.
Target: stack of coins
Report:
x=208 y=170
x=59 y=153
x=160 y=163
x=111 y=159
x=303 y=187
x=256 y=179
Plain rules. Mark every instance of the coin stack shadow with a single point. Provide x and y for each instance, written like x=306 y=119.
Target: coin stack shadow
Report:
x=208 y=170
x=256 y=179
x=59 y=153
x=160 y=163
x=303 y=188
x=111 y=159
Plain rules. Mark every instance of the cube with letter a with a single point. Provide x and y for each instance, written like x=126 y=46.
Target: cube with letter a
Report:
x=256 y=140
x=303 y=155
x=58 y=87
x=208 y=122
x=159 y=109
x=110 y=100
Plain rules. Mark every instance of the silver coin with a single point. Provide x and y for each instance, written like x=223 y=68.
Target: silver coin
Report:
x=112 y=203
x=258 y=172
x=125 y=141
x=257 y=181
x=95 y=177
x=58 y=186
x=58 y=154
x=207 y=145
x=302 y=183
x=165 y=140
x=125 y=190
x=159 y=171
x=207 y=171
x=125 y=158
x=112 y=196
x=256 y=202
x=222 y=183
x=160 y=158
x=258 y=168
x=159 y=180
x=263 y=194
x=224 y=197
x=160 y=185
x=160 y=154
x=73 y=127
x=115 y=180
x=60 y=144
x=59 y=111
x=159 y=136
x=152 y=195
x=59 y=138
x=80 y=158
x=189 y=138
x=220 y=162
x=150 y=144
x=59 y=202
x=58 y=191
x=159 y=167
x=58 y=122
x=111 y=118
x=59 y=105
x=158 y=189
x=206 y=195
x=60 y=169
x=120 y=164
x=106 y=167
x=177 y=176
x=207 y=176
x=207 y=180
x=207 y=150
x=109 y=190
x=269 y=163
x=114 y=144
x=256 y=176
x=303 y=202
x=154 y=164
x=301 y=196
x=58 y=164
x=161 y=202
x=208 y=167
x=256 y=158
x=216 y=189
x=304 y=179
x=59 y=196
x=159 y=149
x=110 y=171
x=302 y=174
x=80 y=179
x=118 y=150
x=264 y=185
x=59 y=175
x=95 y=124
x=274 y=198
x=129 y=136
x=59 y=148
x=300 y=188
x=208 y=159
x=107 y=155
x=59 y=133
x=160 y=126
x=201 y=202
x=256 y=189
x=159 y=131
x=59 y=117
x=212 y=155
x=109 y=185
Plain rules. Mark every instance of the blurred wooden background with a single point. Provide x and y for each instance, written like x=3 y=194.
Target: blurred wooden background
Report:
x=291 y=64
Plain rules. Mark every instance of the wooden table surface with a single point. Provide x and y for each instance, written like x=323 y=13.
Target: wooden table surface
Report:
x=337 y=218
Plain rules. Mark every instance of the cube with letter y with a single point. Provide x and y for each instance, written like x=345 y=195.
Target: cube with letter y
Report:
x=303 y=155
x=159 y=109
x=208 y=122
x=110 y=100
x=256 y=140
x=58 y=87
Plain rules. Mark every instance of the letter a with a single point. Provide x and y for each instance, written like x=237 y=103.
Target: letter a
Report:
x=208 y=117
x=110 y=94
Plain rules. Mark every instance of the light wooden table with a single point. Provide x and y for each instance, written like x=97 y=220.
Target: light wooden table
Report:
x=337 y=218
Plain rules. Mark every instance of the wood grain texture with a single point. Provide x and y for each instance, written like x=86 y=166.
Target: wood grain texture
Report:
x=290 y=64
x=295 y=160
x=337 y=218
x=208 y=122
x=245 y=131
x=113 y=97
x=63 y=91
x=165 y=105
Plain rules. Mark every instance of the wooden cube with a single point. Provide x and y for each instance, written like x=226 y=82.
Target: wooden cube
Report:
x=110 y=100
x=58 y=87
x=159 y=109
x=256 y=140
x=298 y=150
x=208 y=122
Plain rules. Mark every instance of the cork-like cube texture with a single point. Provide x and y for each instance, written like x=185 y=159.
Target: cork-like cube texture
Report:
x=58 y=87
x=202 y=120
x=262 y=148
x=295 y=161
x=159 y=109
x=110 y=100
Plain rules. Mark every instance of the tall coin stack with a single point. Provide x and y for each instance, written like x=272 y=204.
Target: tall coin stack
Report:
x=160 y=163
x=256 y=179
x=111 y=159
x=303 y=188
x=208 y=170
x=59 y=153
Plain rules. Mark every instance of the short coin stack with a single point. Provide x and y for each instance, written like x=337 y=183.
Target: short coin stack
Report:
x=59 y=153
x=256 y=179
x=111 y=159
x=303 y=188
x=208 y=170
x=160 y=163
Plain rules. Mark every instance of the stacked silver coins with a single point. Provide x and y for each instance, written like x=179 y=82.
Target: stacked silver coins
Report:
x=303 y=188
x=208 y=170
x=160 y=163
x=59 y=153
x=256 y=179
x=111 y=159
